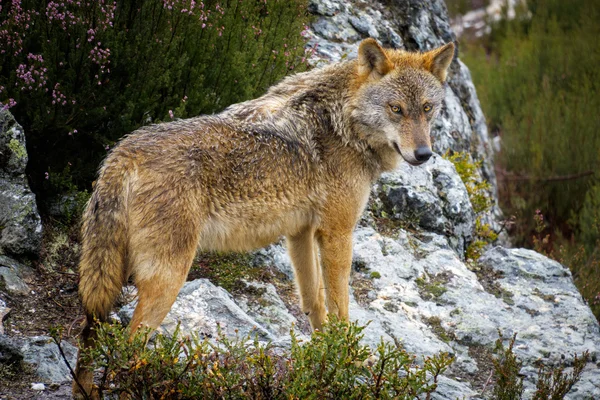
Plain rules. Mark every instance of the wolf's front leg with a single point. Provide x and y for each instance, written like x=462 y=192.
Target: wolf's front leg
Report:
x=305 y=259
x=336 y=261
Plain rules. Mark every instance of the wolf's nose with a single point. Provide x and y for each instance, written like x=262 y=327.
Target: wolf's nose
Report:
x=423 y=153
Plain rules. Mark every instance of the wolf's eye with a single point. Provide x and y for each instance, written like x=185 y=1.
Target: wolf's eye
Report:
x=427 y=107
x=396 y=109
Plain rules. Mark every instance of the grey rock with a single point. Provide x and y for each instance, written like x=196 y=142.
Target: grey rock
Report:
x=4 y=310
x=431 y=197
x=12 y=275
x=275 y=255
x=20 y=223
x=10 y=350
x=261 y=302
x=364 y=25
x=325 y=7
x=11 y=281
x=202 y=308
x=542 y=306
x=43 y=355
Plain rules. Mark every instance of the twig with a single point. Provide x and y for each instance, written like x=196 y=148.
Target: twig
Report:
x=64 y=357
x=487 y=382
x=557 y=178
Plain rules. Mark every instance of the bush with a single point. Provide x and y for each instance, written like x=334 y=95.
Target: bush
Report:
x=332 y=365
x=553 y=383
x=84 y=73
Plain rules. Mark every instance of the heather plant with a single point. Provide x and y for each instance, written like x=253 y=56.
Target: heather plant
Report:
x=553 y=382
x=332 y=364
x=79 y=74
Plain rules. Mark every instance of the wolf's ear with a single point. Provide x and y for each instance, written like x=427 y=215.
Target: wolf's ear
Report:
x=438 y=60
x=372 y=60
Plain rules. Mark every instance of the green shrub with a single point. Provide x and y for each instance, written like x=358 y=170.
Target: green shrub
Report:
x=553 y=383
x=84 y=73
x=333 y=364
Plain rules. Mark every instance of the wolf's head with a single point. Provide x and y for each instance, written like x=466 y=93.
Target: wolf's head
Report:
x=397 y=96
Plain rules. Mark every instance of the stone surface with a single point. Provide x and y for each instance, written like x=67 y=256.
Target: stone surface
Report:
x=429 y=300
x=43 y=355
x=431 y=197
x=202 y=308
x=4 y=310
x=10 y=352
x=20 y=223
x=12 y=276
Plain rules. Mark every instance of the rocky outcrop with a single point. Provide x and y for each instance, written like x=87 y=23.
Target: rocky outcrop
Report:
x=20 y=224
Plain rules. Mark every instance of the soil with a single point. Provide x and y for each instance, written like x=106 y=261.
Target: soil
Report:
x=53 y=302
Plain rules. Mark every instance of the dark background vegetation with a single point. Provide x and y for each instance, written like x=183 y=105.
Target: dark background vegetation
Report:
x=538 y=80
x=85 y=73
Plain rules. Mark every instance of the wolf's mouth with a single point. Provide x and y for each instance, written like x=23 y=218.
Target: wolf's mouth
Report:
x=413 y=163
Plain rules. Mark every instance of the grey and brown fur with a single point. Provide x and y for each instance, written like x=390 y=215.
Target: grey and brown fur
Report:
x=298 y=161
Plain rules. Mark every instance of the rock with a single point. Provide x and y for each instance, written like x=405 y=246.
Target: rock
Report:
x=4 y=310
x=40 y=353
x=431 y=197
x=201 y=308
x=43 y=355
x=12 y=274
x=261 y=302
x=277 y=256
x=12 y=283
x=20 y=223
x=38 y=386
x=10 y=351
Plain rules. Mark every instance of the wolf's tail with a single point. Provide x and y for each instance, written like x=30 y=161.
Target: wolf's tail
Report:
x=103 y=264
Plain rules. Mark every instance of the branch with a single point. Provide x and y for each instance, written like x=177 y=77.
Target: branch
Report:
x=517 y=177
x=66 y=361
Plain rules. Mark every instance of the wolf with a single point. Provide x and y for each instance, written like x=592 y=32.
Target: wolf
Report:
x=297 y=162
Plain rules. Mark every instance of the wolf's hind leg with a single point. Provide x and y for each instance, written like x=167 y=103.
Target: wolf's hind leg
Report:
x=303 y=253
x=159 y=272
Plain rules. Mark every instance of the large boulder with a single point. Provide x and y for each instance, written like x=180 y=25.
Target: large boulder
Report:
x=20 y=223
